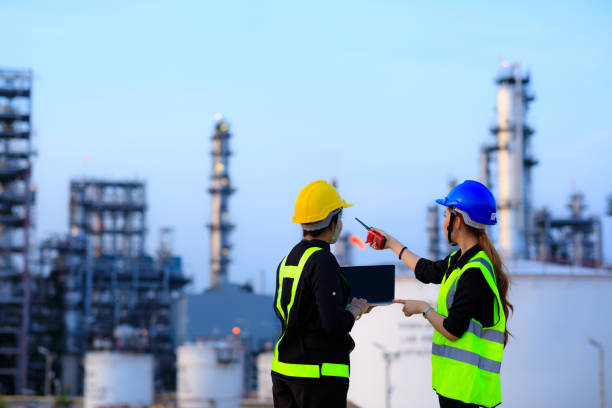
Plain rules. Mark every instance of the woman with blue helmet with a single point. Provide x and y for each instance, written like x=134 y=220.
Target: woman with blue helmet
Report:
x=469 y=319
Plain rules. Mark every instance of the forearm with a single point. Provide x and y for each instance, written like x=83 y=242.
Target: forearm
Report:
x=408 y=257
x=437 y=321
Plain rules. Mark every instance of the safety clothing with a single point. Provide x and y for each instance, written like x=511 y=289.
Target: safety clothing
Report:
x=474 y=201
x=316 y=201
x=468 y=369
x=286 y=292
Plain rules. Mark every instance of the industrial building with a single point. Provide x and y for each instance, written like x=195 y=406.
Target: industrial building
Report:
x=16 y=200
x=110 y=294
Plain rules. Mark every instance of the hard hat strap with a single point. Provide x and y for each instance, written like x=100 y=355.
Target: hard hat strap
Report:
x=334 y=238
x=449 y=227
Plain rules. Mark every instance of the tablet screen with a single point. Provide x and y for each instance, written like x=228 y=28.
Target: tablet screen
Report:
x=376 y=283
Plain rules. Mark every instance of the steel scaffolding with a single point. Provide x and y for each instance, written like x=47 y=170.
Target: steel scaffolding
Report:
x=16 y=199
x=110 y=294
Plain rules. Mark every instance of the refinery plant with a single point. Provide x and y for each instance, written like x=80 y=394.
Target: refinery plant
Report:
x=86 y=310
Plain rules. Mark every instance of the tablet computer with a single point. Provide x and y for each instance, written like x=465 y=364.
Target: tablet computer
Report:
x=375 y=283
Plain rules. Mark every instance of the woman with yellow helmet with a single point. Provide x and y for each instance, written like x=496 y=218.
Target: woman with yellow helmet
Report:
x=310 y=367
x=470 y=321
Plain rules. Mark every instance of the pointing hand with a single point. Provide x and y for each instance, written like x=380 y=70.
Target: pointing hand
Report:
x=412 y=306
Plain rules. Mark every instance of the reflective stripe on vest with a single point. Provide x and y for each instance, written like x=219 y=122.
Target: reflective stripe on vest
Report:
x=291 y=369
x=466 y=357
x=476 y=356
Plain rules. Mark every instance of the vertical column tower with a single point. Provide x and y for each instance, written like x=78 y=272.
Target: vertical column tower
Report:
x=16 y=198
x=514 y=162
x=220 y=191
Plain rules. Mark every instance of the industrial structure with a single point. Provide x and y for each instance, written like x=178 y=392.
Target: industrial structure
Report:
x=210 y=374
x=220 y=190
x=244 y=314
x=16 y=200
x=574 y=239
x=109 y=294
x=522 y=231
x=514 y=161
x=433 y=231
x=118 y=379
x=111 y=214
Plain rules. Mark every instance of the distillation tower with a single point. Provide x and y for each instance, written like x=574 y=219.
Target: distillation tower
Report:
x=514 y=162
x=220 y=191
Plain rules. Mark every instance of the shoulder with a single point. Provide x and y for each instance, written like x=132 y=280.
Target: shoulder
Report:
x=323 y=257
x=320 y=264
x=473 y=277
x=453 y=257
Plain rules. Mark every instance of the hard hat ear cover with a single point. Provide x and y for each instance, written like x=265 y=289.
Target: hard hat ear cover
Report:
x=314 y=226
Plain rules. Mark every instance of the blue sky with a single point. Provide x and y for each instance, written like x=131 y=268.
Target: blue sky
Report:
x=391 y=98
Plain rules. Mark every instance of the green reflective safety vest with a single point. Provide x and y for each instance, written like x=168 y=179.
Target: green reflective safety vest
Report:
x=290 y=369
x=468 y=369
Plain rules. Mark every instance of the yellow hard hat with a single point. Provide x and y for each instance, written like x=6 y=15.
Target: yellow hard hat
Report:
x=316 y=201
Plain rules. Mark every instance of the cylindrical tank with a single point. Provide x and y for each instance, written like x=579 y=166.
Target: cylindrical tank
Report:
x=264 y=378
x=210 y=374
x=118 y=378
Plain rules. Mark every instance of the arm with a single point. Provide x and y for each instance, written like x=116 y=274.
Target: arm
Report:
x=327 y=290
x=425 y=270
x=436 y=319
x=473 y=294
x=408 y=257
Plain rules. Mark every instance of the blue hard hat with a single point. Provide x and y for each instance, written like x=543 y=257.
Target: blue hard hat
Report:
x=474 y=201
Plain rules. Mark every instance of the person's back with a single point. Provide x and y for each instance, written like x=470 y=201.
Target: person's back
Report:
x=310 y=367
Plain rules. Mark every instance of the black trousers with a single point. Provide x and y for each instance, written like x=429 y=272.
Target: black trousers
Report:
x=451 y=403
x=315 y=394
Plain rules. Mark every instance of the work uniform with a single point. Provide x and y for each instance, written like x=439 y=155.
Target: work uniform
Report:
x=311 y=358
x=465 y=372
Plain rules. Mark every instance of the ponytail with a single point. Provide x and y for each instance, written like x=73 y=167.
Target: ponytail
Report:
x=502 y=278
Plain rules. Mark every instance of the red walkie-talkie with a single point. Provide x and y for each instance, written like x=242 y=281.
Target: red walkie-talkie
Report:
x=377 y=240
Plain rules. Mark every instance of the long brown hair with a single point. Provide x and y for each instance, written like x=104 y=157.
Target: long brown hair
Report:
x=501 y=276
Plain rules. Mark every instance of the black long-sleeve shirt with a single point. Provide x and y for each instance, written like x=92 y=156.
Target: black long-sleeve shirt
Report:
x=473 y=299
x=318 y=322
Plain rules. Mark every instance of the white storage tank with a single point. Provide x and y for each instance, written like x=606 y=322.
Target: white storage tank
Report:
x=264 y=377
x=210 y=374
x=118 y=378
